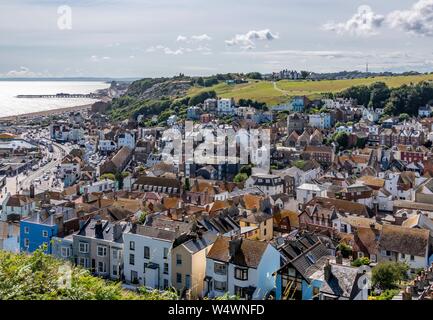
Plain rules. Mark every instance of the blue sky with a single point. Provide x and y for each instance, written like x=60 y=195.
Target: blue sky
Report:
x=138 y=38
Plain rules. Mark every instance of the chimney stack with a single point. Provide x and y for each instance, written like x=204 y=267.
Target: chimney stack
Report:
x=117 y=231
x=99 y=234
x=234 y=246
x=327 y=271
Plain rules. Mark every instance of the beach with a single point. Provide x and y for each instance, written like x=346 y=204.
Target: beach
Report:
x=47 y=113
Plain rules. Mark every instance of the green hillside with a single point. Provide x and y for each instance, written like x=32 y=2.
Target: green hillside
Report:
x=282 y=91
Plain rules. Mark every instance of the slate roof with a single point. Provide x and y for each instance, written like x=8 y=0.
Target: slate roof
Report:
x=249 y=253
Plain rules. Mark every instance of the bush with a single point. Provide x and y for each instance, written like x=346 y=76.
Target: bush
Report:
x=364 y=261
x=385 y=295
x=240 y=177
x=388 y=275
x=37 y=277
x=345 y=249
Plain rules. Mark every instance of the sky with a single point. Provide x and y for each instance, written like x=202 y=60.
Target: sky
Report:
x=143 y=38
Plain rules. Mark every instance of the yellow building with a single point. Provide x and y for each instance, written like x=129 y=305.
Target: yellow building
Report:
x=257 y=225
x=188 y=264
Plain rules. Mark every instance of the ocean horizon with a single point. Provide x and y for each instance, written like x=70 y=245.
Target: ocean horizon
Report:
x=10 y=105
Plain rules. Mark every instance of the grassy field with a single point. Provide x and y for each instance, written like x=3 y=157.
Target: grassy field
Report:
x=266 y=91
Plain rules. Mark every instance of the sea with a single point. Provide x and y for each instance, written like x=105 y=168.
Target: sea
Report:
x=10 y=105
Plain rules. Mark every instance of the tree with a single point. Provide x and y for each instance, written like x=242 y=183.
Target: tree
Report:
x=187 y=185
x=387 y=275
x=254 y=75
x=201 y=97
x=360 y=93
x=342 y=139
x=247 y=169
x=403 y=117
x=108 y=176
x=200 y=82
x=379 y=94
x=119 y=179
x=142 y=217
x=240 y=177
x=305 y=74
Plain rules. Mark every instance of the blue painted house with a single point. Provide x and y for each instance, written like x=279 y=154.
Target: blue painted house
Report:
x=298 y=104
x=36 y=232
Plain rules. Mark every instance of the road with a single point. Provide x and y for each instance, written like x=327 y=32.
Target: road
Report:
x=58 y=153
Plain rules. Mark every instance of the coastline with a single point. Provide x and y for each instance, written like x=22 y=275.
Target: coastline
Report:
x=46 y=113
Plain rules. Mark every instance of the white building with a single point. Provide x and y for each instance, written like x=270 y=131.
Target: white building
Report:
x=226 y=106
x=147 y=254
x=126 y=139
x=320 y=120
x=107 y=146
x=19 y=205
x=241 y=267
x=269 y=184
x=99 y=186
x=308 y=191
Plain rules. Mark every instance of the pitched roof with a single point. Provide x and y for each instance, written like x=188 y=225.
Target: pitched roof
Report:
x=18 y=200
x=248 y=254
x=404 y=240
x=349 y=207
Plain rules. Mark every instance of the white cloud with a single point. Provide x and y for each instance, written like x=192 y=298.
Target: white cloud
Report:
x=418 y=19
x=248 y=39
x=202 y=37
x=193 y=38
x=174 y=52
x=363 y=23
x=23 y=72
x=96 y=58
x=179 y=51
x=181 y=38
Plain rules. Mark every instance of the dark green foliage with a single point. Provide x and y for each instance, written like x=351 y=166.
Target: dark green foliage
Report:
x=201 y=97
x=387 y=275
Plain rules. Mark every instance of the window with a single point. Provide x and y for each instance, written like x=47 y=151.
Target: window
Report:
x=165 y=283
x=132 y=259
x=26 y=242
x=45 y=233
x=412 y=258
x=146 y=253
x=83 y=262
x=116 y=253
x=165 y=268
x=179 y=278
x=165 y=253
x=145 y=266
x=115 y=271
x=131 y=245
x=83 y=247
x=134 y=277
x=65 y=252
x=102 y=268
x=26 y=230
x=102 y=251
x=240 y=291
x=360 y=254
x=403 y=256
x=178 y=259
x=187 y=281
x=220 y=268
x=220 y=286
x=241 y=274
